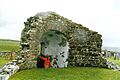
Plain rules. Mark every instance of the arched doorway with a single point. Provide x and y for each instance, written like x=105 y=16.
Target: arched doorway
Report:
x=54 y=43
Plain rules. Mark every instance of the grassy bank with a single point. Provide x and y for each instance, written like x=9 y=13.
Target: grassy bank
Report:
x=3 y=61
x=115 y=61
x=8 y=45
x=81 y=73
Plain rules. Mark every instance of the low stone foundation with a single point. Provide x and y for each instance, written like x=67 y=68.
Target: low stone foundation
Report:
x=8 y=69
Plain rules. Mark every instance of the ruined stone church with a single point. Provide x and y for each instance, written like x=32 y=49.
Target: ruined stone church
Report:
x=51 y=34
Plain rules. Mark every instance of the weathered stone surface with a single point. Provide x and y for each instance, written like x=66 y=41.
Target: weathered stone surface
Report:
x=85 y=45
x=8 y=69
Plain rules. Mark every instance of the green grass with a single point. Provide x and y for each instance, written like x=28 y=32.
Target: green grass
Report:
x=8 y=45
x=115 y=61
x=81 y=73
x=3 y=61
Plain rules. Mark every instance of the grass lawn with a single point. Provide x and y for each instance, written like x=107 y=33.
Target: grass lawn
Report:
x=3 y=61
x=115 y=61
x=76 y=73
x=8 y=45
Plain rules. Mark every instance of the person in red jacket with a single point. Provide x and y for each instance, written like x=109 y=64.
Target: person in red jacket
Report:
x=47 y=63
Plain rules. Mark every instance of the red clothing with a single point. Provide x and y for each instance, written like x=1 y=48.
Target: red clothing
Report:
x=47 y=63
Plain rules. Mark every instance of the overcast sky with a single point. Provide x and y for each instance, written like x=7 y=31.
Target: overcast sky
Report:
x=102 y=16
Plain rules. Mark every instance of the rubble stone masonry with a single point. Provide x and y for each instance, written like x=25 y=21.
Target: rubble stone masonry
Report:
x=84 y=44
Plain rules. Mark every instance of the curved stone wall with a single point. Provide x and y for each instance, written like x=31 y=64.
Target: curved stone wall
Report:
x=84 y=44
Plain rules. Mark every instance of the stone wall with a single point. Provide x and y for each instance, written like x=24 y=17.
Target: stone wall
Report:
x=3 y=54
x=8 y=69
x=85 y=45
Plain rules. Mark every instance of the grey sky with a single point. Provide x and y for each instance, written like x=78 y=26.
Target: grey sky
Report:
x=98 y=15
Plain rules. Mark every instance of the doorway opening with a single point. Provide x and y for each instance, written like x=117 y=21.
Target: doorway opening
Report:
x=54 y=44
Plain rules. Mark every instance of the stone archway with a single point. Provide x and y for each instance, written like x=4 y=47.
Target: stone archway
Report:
x=84 y=44
x=35 y=27
x=54 y=43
